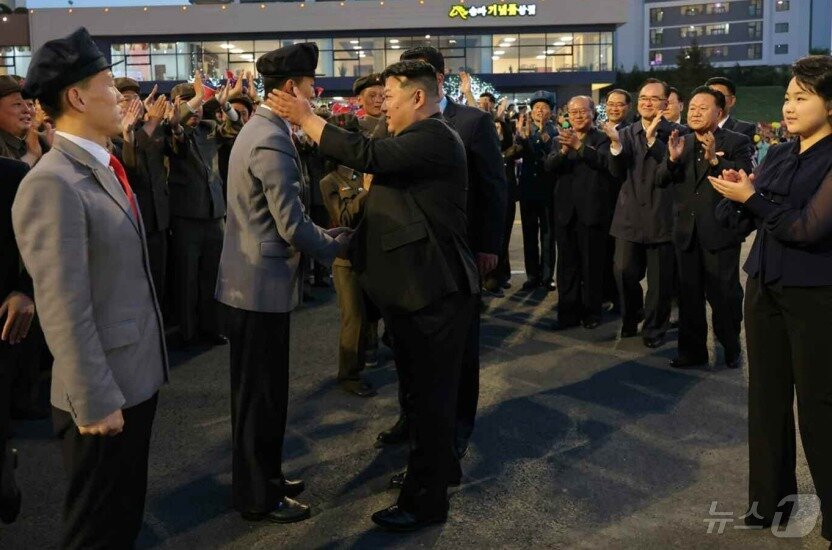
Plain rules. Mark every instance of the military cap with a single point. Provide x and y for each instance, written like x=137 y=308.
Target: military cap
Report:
x=295 y=60
x=62 y=62
x=543 y=95
x=185 y=90
x=124 y=84
x=365 y=82
x=9 y=85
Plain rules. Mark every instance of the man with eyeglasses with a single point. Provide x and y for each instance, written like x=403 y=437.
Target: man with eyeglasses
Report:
x=582 y=214
x=729 y=90
x=642 y=222
x=618 y=107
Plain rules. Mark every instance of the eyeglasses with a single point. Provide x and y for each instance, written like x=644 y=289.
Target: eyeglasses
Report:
x=650 y=99
x=616 y=105
x=578 y=113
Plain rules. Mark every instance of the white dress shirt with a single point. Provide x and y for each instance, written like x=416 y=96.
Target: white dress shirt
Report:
x=98 y=152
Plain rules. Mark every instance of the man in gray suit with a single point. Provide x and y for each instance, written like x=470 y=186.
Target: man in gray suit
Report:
x=82 y=240
x=267 y=231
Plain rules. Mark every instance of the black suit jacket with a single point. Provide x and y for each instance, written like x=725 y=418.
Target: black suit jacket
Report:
x=643 y=211
x=694 y=198
x=741 y=127
x=583 y=184
x=196 y=189
x=411 y=247
x=487 y=187
x=13 y=278
x=144 y=162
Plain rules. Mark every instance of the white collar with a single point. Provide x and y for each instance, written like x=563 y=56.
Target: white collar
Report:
x=443 y=103
x=723 y=121
x=98 y=152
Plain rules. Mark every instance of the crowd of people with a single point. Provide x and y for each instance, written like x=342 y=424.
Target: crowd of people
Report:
x=214 y=210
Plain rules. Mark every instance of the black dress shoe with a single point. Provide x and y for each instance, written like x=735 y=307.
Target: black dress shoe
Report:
x=591 y=323
x=396 y=435
x=557 y=324
x=551 y=286
x=396 y=519
x=397 y=481
x=215 y=339
x=686 y=362
x=10 y=497
x=357 y=387
x=293 y=487
x=531 y=284
x=734 y=362
x=629 y=332
x=673 y=324
x=506 y=285
x=653 y=341
x=287 y=511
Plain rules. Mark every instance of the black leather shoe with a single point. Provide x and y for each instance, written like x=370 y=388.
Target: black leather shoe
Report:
x=653 y=341
x=629 y=332
x=685 y=362
x=215 y=339
x=396 y=519
x=397 y=481
x=506 y=285
x=531 y=284
x=734 y=362
x=293 y=487
x=10 y=497
x=550 y=286
x=557 y=324
x=394 y=436
x=591 y=323
x=371 y=358
x=357 y=387
x=673 y=325
x=287 y=511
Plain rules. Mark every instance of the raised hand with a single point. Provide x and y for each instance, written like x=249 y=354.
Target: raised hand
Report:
x=464 y=82
x=252 y=89
x=48 y=133
x=569 y=139
x=523 y=126
x=675 y=146
x=612 y=133
x=237 y=89
x=708 y=146
x=222 y=94
x=737 y=191
x=149 y=100
x=173 y=112
x=131 y=115
x=33 y=143
x=199 y=87
x=156 y=109
x=650 y=133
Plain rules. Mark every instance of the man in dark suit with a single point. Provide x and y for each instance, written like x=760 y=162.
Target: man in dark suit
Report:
x=16 y=313
x=412 y=255
x=142 y=150
x=486 y=210
x=643 y=217
x=708 y=253
x=727 y=122
x=583 y=186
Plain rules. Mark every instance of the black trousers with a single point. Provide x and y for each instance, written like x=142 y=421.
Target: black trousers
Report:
x=610 y=286
x=631 y=262
x=429 y=349
x=107 y=483
x=580 y=282
x=157 y=252
x=715 y=276
x=259 y=346
x=197 y=247
x=502 y=273
x=6 y=373
x=787 y=332
x=539 y=255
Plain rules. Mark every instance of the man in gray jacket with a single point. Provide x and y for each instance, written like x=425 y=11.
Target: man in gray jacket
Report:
x=267 y=231
x=82 y=239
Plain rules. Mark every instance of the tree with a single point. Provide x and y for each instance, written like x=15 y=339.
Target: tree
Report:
x=692 y=68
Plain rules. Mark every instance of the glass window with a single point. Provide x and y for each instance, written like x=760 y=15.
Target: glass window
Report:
x=532 y=59
x=781 y=49
x=605 y=61
x=265 y=46
x=692 y=10
x=532 y=39
x=454 y=59
x=656 y=15
x=656 y=37
x=718 y=7
x=781 y=27
x=713 y=30
x=755 y=51
x=781 y=5
x=586 y=57
x=755 y=30
x=655 y=58
x=755 y=8
x=164 y=67
x=691 y=31
x=478 y=60
x=505 y=60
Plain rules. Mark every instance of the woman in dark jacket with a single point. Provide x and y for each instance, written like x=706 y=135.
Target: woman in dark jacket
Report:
x=788 y=304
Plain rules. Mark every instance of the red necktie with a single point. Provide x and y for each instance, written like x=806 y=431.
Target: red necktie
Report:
x=118 y=169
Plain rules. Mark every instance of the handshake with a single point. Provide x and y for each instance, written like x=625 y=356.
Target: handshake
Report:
x=342 y=236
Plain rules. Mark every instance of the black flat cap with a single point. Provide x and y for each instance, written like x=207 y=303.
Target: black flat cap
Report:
x=125 y=83
x=62 y=62
x=9 y=85
x=365 y=82
x=185 y=90
x=295 y=60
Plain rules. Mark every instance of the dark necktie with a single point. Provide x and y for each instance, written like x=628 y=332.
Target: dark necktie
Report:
x=118 y=170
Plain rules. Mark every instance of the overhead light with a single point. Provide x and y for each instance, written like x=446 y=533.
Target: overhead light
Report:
x=394 y=40
x=505 y=45
x=395 y=47
x=353 y=41
x=228 y=46
x=451 y=41
x=338 y=98
x=566 y=38
x=559 y=44
x=427 y=36
x=238 y=50
x=495 y=57
x=356 y=47
x=509 y=39
x=541 y=57
x=550 y=52
x=499 y=52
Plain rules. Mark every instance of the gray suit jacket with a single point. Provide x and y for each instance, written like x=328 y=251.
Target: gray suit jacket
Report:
x=88 y=260
x=267 y=228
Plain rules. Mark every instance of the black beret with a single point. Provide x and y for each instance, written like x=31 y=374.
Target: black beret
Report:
x=9 y=85
x=294 y=60
x=62 y=62
x=365 y=82
x=124 y=83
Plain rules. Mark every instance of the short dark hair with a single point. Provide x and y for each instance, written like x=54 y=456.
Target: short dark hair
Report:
x=665 y=86
x=415 y=71
x=490 y=96
x=52 y=104
x=275 y=83
x=673 y=90
x=718 y=96
x=627 y=97
x=426 y=53
x=245 y=101
x=814 y=74
x=722 y=81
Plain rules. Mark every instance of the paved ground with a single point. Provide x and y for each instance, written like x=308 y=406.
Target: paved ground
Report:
x=582 y=441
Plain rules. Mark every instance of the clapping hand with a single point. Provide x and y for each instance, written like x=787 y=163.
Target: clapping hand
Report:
x=675 y=146
x=199 y=87
x=650 y=132
x=131 y=115
x=464 y=82
x=252 y=90
x=612 y=133
x=733 y=185
x=150 y=99
x=568 y=139
x=156 y=110
x=708 y=146
x=237 y=89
